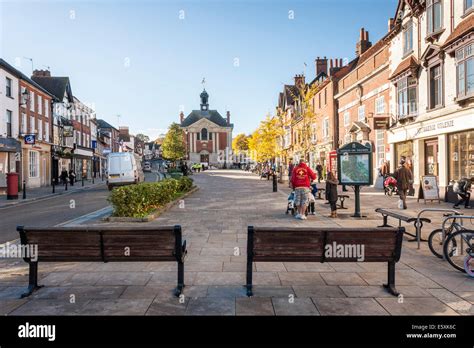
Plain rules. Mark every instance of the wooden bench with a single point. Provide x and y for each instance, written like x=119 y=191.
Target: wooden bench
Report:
x=274 y=244
x=342 y=198
x=103 y=244
x=401 y=217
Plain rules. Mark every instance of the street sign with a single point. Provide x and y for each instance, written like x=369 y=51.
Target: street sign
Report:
x=17 y=156
x=30 y=139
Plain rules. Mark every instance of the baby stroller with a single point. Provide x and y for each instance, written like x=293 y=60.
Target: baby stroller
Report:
x=390 y=185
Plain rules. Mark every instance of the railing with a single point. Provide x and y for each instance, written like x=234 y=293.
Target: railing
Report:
x=418 y=222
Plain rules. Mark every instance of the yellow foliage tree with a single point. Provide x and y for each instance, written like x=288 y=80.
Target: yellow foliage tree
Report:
x=263 y=143
x=240 y=143
x=306 y=116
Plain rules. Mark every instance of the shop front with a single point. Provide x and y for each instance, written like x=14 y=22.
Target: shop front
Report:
x=82 y=162
x=36 y=164
x=461 y=149
x=442 y=147
x=10 y=150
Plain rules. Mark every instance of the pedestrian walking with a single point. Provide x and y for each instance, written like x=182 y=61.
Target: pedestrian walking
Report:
x=319 y=170
x=291 y=166
x=404 y=178
x=301 y=182
x=72 y=177
x=63 y=176
x=463 y=189
x=331 y=193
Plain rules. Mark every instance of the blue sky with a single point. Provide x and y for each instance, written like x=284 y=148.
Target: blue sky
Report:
x=143 y=61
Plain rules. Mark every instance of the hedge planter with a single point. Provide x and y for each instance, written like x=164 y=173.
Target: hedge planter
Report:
x=138 y=202
x=155 y=213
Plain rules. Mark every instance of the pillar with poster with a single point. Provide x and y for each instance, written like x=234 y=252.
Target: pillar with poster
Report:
x=354 y=168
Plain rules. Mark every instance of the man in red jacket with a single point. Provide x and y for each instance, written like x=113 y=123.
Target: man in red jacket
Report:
x=301 y=182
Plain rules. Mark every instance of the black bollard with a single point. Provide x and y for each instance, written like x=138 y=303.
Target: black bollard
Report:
x=54 y=186
x=93 y=180
x=24 y=189
x=65 y=187
x=82 y=181
x=275 y=183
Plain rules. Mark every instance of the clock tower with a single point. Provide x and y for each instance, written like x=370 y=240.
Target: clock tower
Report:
x=204 y=101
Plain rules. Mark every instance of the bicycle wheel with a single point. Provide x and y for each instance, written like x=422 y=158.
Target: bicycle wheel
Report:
x=469 y=265
x=454 y=249
x=435 y=240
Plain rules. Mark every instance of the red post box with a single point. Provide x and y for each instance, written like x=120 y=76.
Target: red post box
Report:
x=12 y=185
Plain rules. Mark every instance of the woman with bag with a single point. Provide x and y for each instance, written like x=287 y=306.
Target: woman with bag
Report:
x=404 y=180
x=331 y=193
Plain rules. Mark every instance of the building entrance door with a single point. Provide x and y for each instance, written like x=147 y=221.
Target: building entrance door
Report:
x=205 y=158
x=431 y=157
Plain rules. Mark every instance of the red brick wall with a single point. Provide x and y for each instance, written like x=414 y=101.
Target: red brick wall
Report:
x=222 y=140
x=25 y=109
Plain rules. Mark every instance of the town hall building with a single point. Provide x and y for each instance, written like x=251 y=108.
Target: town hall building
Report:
x=208 y=135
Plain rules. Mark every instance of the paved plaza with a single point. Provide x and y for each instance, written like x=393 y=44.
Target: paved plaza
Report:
x=214 y=221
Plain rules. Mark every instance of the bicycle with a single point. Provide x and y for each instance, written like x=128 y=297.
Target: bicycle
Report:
x=469 y=263
x=435 y=240
x=458 y=250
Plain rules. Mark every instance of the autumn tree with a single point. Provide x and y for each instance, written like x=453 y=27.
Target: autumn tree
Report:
x=173 y=145
x=305 y=115
x=240 y=143
x=263 y=143
x=142 y=137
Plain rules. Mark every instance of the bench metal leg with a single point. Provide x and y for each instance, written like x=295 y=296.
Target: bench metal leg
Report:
x=33 y=280
x=342 y=203
x=390 y=286
x=249 y=275
x=385 y=222
x=180 y=287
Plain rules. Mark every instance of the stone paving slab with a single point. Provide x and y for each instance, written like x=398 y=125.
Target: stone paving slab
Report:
x=349 y=306
x=295 y=306
x=214 y=222
x=416 y=306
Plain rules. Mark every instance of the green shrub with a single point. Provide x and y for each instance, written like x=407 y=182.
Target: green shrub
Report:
x=140 y=199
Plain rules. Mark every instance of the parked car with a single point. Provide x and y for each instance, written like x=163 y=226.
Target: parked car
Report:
x=123 y=168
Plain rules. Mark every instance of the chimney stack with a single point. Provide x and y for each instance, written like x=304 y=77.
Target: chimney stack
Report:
x=181 y=117
x=228 y=118
x=364 y=44
x=42 y=73
x=299 y=80
x=391 y=23
x=321 y=65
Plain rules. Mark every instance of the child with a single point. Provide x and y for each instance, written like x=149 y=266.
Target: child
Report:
x=331 y=192
x=314 y=191
x=291 y=203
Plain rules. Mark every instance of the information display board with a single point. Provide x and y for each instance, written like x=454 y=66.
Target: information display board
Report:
x=355 y=165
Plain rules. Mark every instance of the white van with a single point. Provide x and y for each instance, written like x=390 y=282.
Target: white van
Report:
x=123 y=168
